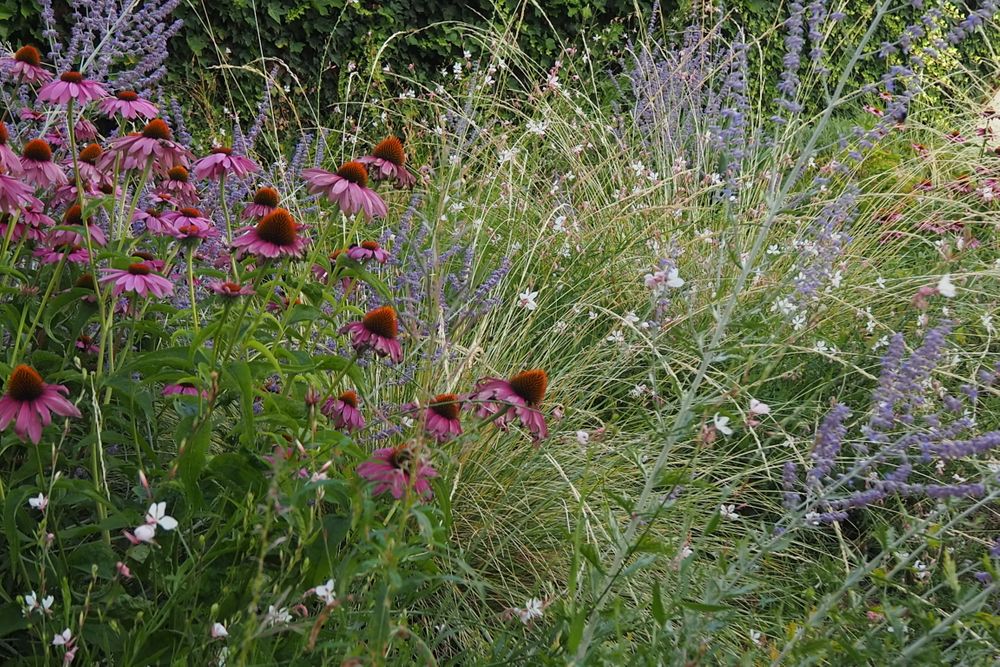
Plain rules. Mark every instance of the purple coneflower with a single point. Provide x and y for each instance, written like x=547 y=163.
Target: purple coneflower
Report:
x=30 y=224
x=177 y=184
x=230 y=290
x=73 y=217
x=348 y=188
x=39 y=169
x=394 y=469
x=378 y=331
x=84 y=130
x=15 y=195
x=71 y=86
x=185 y=216
x=276 y=235
x=520 y=396
x=265 y=200
x=74 y=254
x=368 y=250
x=221 y=162
x=441 y=418
x=86 y=344
x=129 y=105
x=184 y=389
x=139 y=279
x=154 y=144
x=9 y=161
x=26 y=66
x=87 y=164
x=149 y=258
x=29 y=403
x=344 y=411
x=30 y=115
x=388 y=161
x=154 y=221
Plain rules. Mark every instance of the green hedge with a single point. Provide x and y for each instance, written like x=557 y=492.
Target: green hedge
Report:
x=318 y=38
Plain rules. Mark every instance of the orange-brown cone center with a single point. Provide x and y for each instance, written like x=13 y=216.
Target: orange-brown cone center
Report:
x=400 y=458
x=4 y=134
x=224 y=150
x=25 y=384
x=382 y=322
x=445 y=405
x=28 y=55
x=127 y=95
x=38 y=150
x=370 y=245
x=390 y=149
x=73 y=215
x=141 y=269
x=90 y=153
x=530 y=385
x=71 y=77
x=86 y=281
x=178 y=173
x=349 y=397
x=266 y=197
x=278 y=227
x=143 y=255
x=156 y=129
x=355 y=172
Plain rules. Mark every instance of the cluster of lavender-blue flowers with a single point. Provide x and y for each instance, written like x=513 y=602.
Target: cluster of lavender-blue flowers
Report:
x=911 y=429
x=119 y=37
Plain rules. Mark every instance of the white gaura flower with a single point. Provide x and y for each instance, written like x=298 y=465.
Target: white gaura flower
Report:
x=721 y=424
x=945 y=287
x=277 y=616
x=533 y=609
x=32 y=603
x=326 y=592
x=219 y=631
x=728 y=512
x=757 y=408
x=39 y=502
x=527 y=300
x=582 y=437
x=157 y=515
x=63 y=638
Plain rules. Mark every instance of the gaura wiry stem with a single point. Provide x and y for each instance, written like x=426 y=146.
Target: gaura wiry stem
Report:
x=625 y=547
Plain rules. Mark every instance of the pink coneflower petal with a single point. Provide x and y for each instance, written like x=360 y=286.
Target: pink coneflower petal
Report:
x=29 y=403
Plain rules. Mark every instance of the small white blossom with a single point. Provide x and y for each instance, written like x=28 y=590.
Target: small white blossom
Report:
x=582 y=437
x=728 y=512
x=527 y=300
x=945 y=287
x=63 y=638
x=219 y=631
x=758 y=408
x=32 y=603
x=721 y=424
x=39 y=502
x=327 y=592
x=532 y=609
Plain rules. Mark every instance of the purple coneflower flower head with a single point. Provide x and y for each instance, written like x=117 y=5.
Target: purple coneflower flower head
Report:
x=221 y=162
x=38 y=167
x=185 y=216
x=193 y=233
x=15 y=195
x=26 y=66
x=138 y=279
x=276 y=235
x=230 y=290
x=73 y=217
x=154 y=220
x=368 y=250
x=9 y=161
x=71 y=86
x=29 y=403
x=343 y=411
x=184 y=389
x=388 y=161
x=154 y=144
x=394 y=469
x=265 y=200
x=30 y=115
x=128 y=105
x=85 y=130
x=441 y=418
x=178 y=186
x=87 y=164
x=86 y=344
x=348 y=188
x=149 y=258
x=30 y=225
x=518 y=397
x=378 y=330
x=74 y=254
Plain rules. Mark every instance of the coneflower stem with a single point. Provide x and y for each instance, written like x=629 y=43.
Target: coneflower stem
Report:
x=190 y=272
